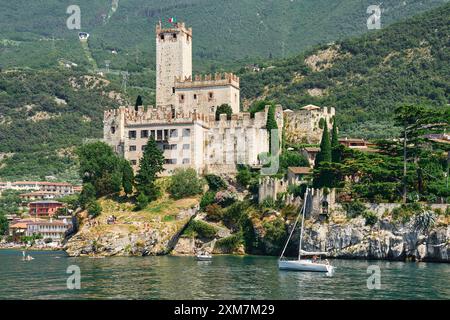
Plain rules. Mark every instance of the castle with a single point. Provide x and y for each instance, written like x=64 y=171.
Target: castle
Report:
x=184 y=123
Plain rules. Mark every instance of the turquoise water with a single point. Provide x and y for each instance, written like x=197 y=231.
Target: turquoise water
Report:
x=226 y=277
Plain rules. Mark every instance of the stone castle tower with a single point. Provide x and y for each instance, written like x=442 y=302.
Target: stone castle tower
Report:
x=173 y=60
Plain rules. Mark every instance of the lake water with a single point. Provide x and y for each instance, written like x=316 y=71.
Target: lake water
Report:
x=226 y=277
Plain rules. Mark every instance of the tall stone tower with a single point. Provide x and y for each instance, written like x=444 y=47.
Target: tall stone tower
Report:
x=173 y=59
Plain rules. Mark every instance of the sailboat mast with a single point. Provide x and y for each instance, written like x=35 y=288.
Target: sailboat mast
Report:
x=303 y=221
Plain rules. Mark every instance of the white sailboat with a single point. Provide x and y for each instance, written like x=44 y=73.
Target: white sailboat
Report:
x=313 y=264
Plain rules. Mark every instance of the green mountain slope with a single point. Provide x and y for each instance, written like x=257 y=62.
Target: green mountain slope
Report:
x=34 y=33
x=366 y=77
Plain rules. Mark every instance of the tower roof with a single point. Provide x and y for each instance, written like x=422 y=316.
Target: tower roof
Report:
x=175 y=28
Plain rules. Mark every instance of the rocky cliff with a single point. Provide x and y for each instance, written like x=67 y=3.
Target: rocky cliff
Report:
x=384 y=240
x=153 y=231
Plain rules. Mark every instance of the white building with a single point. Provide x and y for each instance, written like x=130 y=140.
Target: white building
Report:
x=184 y=123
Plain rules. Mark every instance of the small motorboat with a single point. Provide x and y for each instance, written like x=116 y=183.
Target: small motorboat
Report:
x=204 y=256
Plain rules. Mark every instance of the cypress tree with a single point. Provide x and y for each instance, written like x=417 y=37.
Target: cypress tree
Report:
x=335 y=152
x=139 y=102
x=324 y=154
x=271 y=124
x=150 y=165
x=127 y=178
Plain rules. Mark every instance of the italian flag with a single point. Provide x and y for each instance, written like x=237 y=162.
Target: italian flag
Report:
x=172 y=20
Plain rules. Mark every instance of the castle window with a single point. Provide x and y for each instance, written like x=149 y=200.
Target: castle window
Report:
x=159 y=135
x=173 y=133
x=210 y=95
x=170 y=161
x=144 y=133
x=181 y=97
x=166 y=134
x=174 y=35
x=113 y=130
x=162 y=37
x=186 y=161
x=170 y=147
x=152 y=134
x=132 y=148
x=132 y=134
x=195 y=96
x=186 y=132
x=173 y=89
x=133 y=162
x=143 y=147
x=186 y=146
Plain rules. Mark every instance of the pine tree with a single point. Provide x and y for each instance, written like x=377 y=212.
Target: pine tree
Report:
x=151 y=164
x=335 y=151
x=324 y=154
x=127 y=178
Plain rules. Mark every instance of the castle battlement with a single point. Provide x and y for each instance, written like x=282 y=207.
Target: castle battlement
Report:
x=207 y=80
x=178 y=27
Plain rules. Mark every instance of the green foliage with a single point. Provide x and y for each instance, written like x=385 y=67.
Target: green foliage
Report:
x=94 y=209
x=215 y=182
x=379 y=70
x=335 y=146
x=207 y=199
x=197 y=228
x=185 y=183
x=4 y=225
x=150 y=166
x=139 y=102
x=371 y=218
x=141 y=202
x=72 y=201
x=354 y=209
x=258 y=106
x=224 y=109
x=214 y=212
x=230 y=243
x=247 y=178
x=268 y=203
x=292 y=159
x=88 y=195
x=271 y=124
x=275 y=233
x=127 y=177
x=101 y=167
x=10 y=202
x=406 y=211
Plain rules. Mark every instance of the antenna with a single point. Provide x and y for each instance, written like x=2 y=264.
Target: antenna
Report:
x=125 y=76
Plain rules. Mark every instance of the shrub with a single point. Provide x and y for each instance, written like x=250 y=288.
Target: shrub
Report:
x=275 y=234
x=406 y=211
x=207 y=199
x=225 y=198
x=197 y=228
x=371 y=218
x=94 y=209
x=214 y=212
x=224 y=109
x=215 y=182
x=268 y=203
x=88 y=195
x=354 y=209
x=230 y=243
x=185 y=183
x=141 y=202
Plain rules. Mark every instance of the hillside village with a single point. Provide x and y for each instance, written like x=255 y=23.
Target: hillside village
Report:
x=196 y=172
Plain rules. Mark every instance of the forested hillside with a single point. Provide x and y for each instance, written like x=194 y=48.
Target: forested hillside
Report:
x=366 y=77
x=34 y=33
x=45 y=112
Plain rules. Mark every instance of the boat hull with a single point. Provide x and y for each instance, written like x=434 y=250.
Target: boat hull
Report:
x=204 y=258
x=304 y=265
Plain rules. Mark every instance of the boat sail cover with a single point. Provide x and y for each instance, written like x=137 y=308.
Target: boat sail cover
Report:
x=313 y=253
